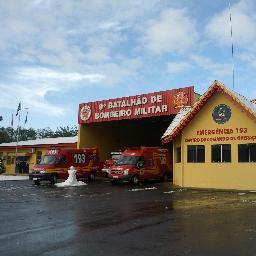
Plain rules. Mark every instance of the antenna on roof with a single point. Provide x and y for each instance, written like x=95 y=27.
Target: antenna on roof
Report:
x=232 y=47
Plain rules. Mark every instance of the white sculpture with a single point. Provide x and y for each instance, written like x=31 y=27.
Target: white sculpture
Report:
x=71 y=180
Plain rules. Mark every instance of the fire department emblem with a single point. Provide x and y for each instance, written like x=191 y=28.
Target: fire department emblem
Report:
x=85 y=112
x=180 y=100
x=221 y=114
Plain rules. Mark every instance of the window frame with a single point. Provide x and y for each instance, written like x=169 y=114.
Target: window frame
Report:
x=197 y=147
x=221 y=153
x=249 y=146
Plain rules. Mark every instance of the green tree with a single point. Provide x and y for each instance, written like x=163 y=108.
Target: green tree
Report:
x=45 y=133
x=27 y=134
x=66 y=131
x=5 y=137
x=10 y=135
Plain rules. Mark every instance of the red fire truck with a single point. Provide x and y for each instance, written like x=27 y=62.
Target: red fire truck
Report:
x=141 y=164
x=56 y=162
x=114 y=157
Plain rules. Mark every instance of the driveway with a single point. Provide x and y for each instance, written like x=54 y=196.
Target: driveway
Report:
x=102 y=219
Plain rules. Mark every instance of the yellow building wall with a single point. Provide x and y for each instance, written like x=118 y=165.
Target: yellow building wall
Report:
x=10 y=168
x=234 y=175
x=32 y=152
x=177 y=166
x=103 y=137
x=117 y=135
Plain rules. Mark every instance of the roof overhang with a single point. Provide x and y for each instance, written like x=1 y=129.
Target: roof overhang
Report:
x=216 y=87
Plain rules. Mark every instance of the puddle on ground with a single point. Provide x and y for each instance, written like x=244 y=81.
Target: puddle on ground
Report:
x=136 y=213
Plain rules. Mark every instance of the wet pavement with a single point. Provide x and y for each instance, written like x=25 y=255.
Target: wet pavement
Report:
x=102 y=219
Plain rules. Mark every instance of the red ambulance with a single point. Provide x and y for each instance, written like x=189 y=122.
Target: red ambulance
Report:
x=109 y=162
x=56 y=163
x=141 y=164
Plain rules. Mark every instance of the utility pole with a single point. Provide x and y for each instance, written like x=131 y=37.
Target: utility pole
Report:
x=232 y=47
x=17 y=134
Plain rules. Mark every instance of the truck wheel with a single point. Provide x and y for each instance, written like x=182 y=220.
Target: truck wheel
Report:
x=135 y=180
x=91 y=177
x=165 y=177
x=37 y=182
x=54 y=179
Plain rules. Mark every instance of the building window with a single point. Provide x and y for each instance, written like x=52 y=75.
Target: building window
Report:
x=221 y=153
x=196 y=154
x=178 y=154
x=247 y=153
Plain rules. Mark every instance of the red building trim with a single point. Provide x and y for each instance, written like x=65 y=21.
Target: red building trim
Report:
x=216 y=87
x=133 y=107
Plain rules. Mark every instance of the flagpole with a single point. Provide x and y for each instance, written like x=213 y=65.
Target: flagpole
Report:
x=17 y=134
x=17 y=142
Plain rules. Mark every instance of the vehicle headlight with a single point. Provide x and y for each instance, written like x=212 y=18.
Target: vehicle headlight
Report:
x=126 y=171
x=42 y=171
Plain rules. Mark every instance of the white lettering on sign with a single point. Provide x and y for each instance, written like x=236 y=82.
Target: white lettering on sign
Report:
x=156 y=98
x=52 y=152
x=79 y=158
x=111 y=114
x=128 y=112
x=138 y=106
x=150 y=110
x=128 y=103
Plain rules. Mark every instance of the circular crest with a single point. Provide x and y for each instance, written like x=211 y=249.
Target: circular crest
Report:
x=221 y=114
x=85 y=112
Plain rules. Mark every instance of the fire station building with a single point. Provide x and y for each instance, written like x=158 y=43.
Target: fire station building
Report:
x=214 y=142
x=212 y=137
x=112 y=125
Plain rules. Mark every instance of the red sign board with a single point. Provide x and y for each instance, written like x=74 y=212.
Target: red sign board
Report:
x=139 y=106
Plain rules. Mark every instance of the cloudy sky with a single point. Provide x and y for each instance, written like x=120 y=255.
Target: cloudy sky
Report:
x=56 y=54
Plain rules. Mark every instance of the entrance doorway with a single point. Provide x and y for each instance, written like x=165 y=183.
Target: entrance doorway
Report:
x=117 y=135
x=22 y=164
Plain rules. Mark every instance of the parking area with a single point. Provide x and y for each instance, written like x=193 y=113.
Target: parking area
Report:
x=102 y=219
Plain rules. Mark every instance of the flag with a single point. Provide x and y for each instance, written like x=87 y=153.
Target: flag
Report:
x=26 y=118
x=12 y=121
x=18 y=109
x=1 y=118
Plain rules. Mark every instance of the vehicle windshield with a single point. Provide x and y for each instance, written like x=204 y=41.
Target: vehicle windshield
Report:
x=127 y=160
x=48 y=159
